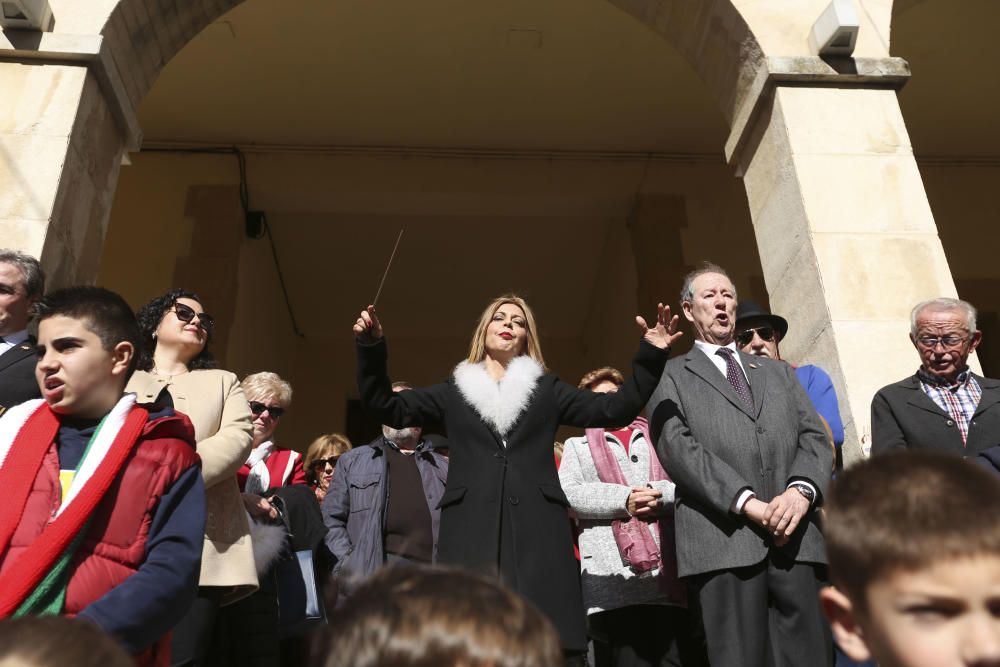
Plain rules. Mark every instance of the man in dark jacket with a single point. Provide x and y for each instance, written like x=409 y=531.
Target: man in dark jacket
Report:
x=22 y=283
x=382 y=505
x=944 y=405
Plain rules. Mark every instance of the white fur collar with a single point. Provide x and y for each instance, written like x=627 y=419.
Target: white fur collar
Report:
x=499 y=403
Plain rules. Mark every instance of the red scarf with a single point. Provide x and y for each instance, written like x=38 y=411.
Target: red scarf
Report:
x=17 y=476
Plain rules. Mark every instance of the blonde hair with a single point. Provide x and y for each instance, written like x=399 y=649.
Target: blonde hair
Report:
x=325 y=445
x=477 y=349
x=267 y=384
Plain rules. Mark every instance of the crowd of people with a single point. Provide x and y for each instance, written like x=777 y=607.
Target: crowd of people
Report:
x=149 y=500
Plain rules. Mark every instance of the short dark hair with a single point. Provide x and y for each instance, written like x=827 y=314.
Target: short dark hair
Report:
x=905 y=511
x=420 y=616
x=30 y=268
x=151 y=315
x=104 y=312
x=56 y=641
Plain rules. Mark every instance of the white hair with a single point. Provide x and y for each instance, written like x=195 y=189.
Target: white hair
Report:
x=943 y=304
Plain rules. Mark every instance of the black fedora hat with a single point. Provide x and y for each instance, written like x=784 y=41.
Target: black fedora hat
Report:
x=748 y=309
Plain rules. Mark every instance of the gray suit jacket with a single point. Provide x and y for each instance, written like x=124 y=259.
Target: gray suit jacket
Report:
x=713 y=447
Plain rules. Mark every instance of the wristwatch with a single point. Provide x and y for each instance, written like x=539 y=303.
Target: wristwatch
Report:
x=806 y=492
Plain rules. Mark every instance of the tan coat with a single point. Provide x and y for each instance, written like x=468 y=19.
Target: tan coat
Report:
x=217 y=407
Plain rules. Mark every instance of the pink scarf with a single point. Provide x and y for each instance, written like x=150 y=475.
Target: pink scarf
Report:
x=636 y=544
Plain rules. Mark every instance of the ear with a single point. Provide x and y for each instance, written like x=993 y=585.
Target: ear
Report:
x=913 y=339
x=121 y=357
x=686 y=307
x=843 y=621
x=977 y=338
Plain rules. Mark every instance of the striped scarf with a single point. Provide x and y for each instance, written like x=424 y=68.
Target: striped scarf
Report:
x=36 y=582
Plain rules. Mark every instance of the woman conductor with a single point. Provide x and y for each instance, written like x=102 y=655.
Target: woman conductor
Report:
x=503 y=510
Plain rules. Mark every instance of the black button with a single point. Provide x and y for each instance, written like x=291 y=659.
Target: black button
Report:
x=760 y=429
x=513 y=500
x=635 y=459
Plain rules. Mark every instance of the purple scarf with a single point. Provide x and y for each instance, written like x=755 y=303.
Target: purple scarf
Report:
x=636 y=544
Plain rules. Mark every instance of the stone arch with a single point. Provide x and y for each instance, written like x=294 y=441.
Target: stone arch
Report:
x=144 y=35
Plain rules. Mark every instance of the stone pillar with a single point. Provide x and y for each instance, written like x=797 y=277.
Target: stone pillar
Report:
x=63 y=131
x=846 y=237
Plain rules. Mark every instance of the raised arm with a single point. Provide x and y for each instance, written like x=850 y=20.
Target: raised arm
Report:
x=586 y=409
x=396 y=409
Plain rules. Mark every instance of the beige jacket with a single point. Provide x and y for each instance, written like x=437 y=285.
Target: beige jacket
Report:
x=217 y=407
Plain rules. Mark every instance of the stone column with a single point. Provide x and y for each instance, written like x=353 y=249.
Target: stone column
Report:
x=63 y=132
x=846 y=237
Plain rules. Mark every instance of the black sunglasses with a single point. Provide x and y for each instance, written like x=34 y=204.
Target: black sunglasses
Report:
x=321 y=463
x=186 y=314
x=258 y=409
x=743 y=338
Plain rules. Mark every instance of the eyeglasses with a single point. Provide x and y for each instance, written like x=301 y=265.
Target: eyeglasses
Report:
x=319 y=464
x=947 y=342
x=766 y=334
x=258 y=409
x=186 y=314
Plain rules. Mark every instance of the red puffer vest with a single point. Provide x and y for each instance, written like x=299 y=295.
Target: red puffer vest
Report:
x=115 y=545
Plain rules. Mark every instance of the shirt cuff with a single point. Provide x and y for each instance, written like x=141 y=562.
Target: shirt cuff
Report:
x=808 y=485
x=741 y=500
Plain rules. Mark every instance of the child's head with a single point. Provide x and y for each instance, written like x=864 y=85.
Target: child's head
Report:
x=87 y=338
x=434 y=617
x=914 y=545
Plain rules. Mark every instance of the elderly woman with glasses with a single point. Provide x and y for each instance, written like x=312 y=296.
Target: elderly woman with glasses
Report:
x=176 y=367
x=268 y=466
x=321 y=461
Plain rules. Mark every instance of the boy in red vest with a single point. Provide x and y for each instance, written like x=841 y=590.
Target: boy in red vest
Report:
x=104 y=504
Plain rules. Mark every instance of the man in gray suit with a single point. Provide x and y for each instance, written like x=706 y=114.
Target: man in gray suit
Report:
x=748 y=453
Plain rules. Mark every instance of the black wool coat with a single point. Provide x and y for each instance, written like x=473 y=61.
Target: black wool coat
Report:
x=17 y=375
x=503 y=511
x=904 y=417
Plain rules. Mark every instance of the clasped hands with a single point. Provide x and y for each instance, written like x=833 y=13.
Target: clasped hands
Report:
x=644 y=503
x=781 y=516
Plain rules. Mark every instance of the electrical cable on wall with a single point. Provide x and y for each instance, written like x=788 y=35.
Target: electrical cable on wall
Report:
x=256 y=221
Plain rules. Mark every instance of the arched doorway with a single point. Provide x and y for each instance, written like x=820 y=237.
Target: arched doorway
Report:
x=563 y=151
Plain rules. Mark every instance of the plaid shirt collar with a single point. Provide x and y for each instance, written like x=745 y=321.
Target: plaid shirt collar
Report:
x=938 y=381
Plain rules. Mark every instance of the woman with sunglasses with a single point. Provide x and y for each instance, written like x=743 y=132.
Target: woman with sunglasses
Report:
x=176 y=367
x=269 y=465
x=321 y=461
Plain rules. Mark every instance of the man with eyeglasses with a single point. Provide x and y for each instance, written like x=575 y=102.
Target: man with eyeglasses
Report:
x=944 y=405
x=758 y=332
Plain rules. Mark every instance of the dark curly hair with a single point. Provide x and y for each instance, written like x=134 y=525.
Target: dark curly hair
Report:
x=151 y=315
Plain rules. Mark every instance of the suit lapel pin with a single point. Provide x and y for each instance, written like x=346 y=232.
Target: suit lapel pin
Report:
x=753 y=365
x=25 y=346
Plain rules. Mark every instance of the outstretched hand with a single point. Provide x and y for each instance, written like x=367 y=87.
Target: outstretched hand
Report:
x=664 y=331
x=367 y=328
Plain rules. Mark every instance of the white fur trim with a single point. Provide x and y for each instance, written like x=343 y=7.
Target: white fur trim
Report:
x=500 y=404
x=268 y=540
